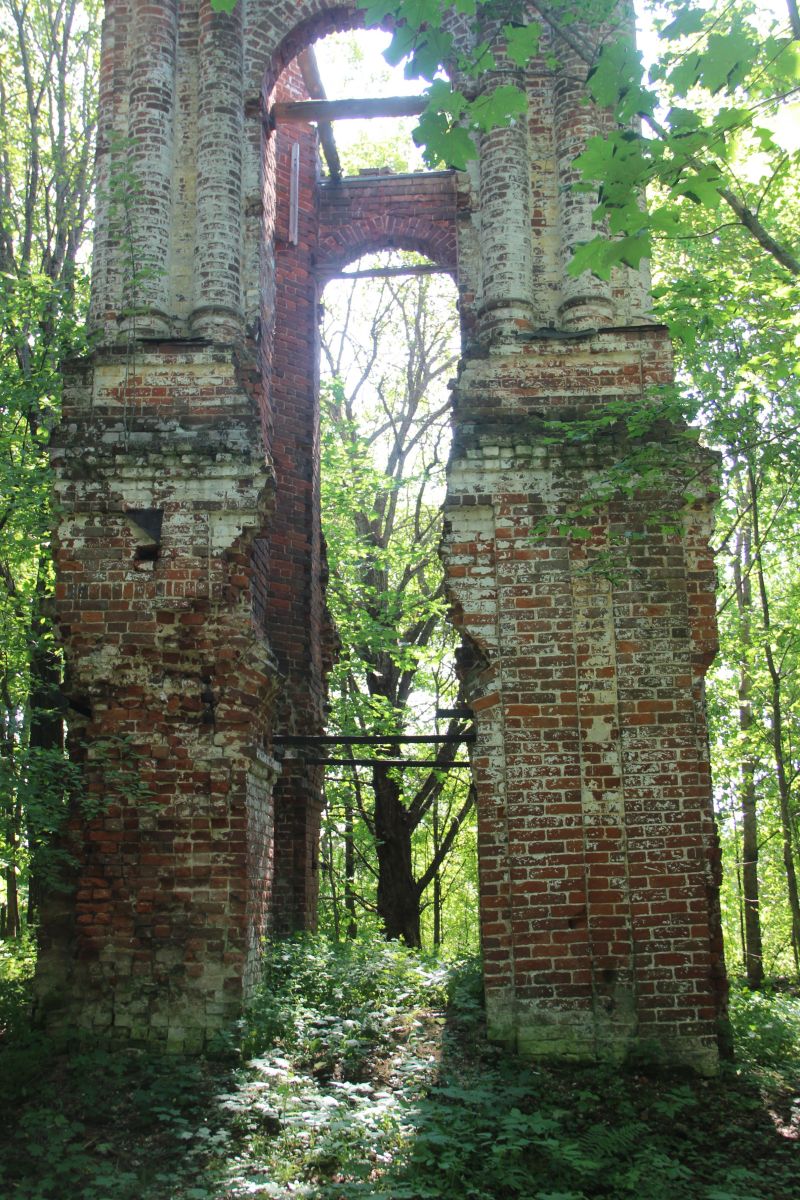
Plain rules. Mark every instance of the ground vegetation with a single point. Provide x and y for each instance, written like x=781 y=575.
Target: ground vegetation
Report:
x=361 y=1071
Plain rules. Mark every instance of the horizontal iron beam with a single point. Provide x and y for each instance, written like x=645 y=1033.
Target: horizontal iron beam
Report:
x=384 y=762
x=347 y=110
x=370 y=739
x=388 y=272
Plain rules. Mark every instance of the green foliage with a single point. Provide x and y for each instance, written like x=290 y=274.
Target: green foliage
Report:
x=17 y=961
x=332 y=1006
x=765 y=1025
x=736 y=335
x=96 y=1122
x=437 y=1113
x=47 y=120
x=371 y=1078
x=715 y=89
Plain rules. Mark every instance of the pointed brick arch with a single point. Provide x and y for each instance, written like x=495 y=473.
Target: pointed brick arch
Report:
x=275 y=33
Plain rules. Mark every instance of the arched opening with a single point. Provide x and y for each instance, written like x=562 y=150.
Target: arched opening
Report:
x=320 y=223
x=398 y=849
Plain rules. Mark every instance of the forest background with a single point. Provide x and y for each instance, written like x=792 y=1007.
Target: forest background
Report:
x=360 y=1069
x=720 y=160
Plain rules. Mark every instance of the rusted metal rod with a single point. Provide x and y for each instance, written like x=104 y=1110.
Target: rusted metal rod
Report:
x=369 y=739
x=384 y=762
x=347 y=110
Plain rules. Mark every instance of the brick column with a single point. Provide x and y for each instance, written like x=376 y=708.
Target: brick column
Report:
x=151 y=120
x=586 y=301
x=217 y=312
x=597 y=850
x=171 y=688
x=101 y=302
x=505 y=210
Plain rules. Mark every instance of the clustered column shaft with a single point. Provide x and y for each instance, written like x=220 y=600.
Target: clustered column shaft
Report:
x=217 y=311
x=151 y=153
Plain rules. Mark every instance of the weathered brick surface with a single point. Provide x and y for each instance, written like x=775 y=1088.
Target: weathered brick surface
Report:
x=597 y=846
x=297 y=621
x=197 y=640
x=162 y=653
x=387 y=212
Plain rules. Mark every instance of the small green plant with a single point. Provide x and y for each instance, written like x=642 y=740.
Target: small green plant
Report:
x=766 y=1026
x=334 y=1004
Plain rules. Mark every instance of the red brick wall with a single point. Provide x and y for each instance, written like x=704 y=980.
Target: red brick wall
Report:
x=384 y=212
x=597 y=848
x=295 y=605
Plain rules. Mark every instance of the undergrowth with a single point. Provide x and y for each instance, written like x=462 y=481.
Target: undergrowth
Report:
x=364 y=1074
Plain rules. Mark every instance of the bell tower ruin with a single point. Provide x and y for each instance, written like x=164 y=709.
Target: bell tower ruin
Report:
x=190 y=565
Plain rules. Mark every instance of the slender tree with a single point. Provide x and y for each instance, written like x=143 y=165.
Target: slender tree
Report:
x=735 y=337
x=48 y=79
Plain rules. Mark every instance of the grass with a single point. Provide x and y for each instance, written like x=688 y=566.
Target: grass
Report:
x=364 y=1074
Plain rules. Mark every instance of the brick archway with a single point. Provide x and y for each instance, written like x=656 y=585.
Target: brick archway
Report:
x=191 y=571
x=388 y=212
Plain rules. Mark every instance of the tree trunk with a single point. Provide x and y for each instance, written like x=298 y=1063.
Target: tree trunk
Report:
x=10 y=817
x=329 y=854
x=398 y=893
x=349 y=867
x=776 y=702
x=12 y=927
x=47 y=724
x=437 y=882
x=753 y=953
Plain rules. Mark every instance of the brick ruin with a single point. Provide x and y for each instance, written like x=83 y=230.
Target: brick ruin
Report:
x=191 y=570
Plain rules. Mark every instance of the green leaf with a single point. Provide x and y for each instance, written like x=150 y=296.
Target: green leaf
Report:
x=223 y=5
x=600 y=255
x=689 y=21
x=684 y=120
x=727 y=60
x=619 y=164
x=497 y=107
x=403 y=43
x=522 y=42
x=685 y=75
x=616 y=81
x=419 y=13
x=431 y=51
x=376 y=11
x=443 y=142
x=702 y=187
x=443 y=98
